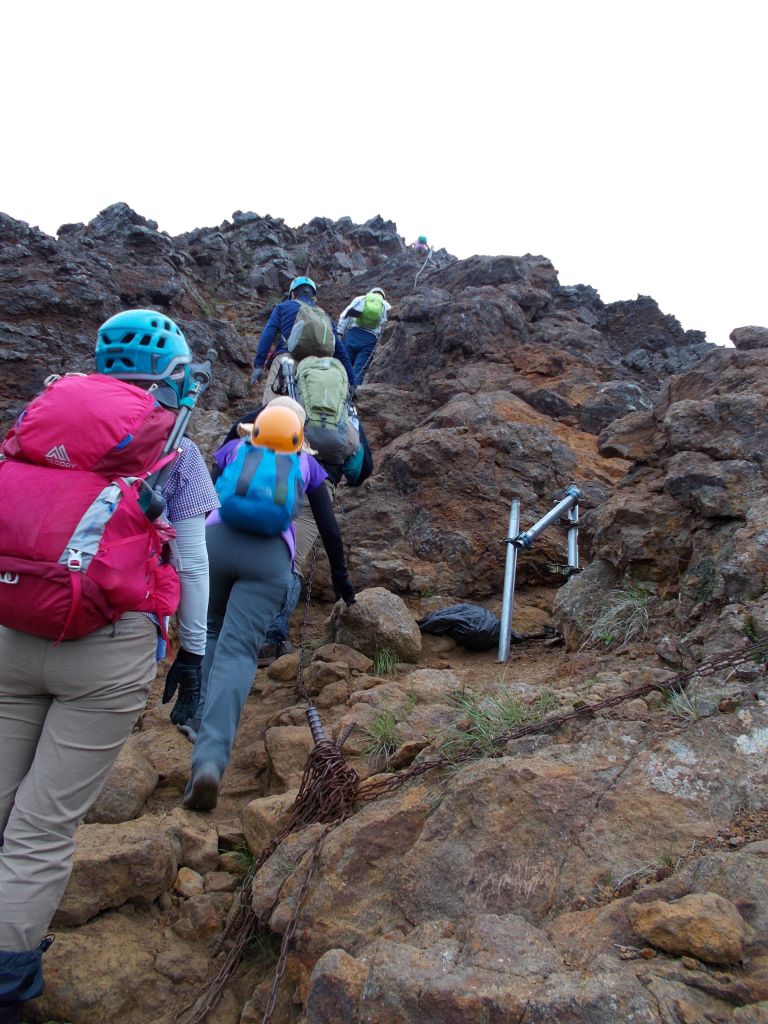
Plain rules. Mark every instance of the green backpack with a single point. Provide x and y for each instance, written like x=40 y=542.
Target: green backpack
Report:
x=323 y=390
x=312 y=333
x=373 y=307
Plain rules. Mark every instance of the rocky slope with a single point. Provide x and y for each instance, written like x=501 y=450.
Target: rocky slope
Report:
x=612 y=868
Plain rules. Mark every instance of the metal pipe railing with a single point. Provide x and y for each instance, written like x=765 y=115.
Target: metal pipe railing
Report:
x=510 y=571
x=524 y=541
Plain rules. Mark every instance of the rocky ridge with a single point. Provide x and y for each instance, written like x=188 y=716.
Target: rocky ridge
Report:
x=613 y=868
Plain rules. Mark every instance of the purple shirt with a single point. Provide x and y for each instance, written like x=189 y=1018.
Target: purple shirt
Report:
x=312 y=474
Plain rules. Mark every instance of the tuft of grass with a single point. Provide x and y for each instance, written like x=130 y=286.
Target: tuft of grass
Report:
x=246 y=858
x=491 y=718
x=264 y=948
x=687 y=706
x=383 y=737
x=384 y=662
x=751 y=633
x=623 y=617
x=410 y=703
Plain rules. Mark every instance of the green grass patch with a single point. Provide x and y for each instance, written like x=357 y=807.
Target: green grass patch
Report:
x=384 y=662
x=490 y=719
x=685 y=705
x=623 y=616
x=383 y=737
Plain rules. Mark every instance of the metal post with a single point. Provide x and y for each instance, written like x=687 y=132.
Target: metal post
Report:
x=573 y=538
x=573 y=496
x=510 y=571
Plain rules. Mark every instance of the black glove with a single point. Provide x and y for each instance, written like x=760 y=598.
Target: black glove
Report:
x=186 y=673
x=343 y=589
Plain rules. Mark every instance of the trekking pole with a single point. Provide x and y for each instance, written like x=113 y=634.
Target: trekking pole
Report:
x=201 y=374
x=510 y=571
x=287 y=367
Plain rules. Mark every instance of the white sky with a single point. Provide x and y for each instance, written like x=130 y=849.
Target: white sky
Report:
x=624 y=140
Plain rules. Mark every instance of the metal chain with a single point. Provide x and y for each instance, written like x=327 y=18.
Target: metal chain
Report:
x=301 y=690
x=675 y=684
x=330 y=793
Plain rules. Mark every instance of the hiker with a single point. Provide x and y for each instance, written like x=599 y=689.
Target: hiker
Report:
x=275 y=339
x=250 y=570
x=360 y=326
x=420 y=245
x=66 y=708
x=355 y=470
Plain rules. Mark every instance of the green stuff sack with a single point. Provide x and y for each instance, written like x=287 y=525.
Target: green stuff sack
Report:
x=323 y=390
x=312 y=333
x=373 y=307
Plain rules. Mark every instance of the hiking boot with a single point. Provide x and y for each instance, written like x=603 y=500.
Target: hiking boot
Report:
x=267 y=654
x=271 y=652
x=202 y=792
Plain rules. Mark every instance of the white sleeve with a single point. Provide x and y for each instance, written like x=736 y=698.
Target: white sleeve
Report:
x=193 y=572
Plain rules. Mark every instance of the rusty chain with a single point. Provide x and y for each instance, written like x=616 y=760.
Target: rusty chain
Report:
x=330 y=792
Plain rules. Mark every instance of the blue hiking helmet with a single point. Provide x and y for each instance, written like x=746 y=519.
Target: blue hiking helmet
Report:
x=423 y=239
x=297 y=282
x=140 y=344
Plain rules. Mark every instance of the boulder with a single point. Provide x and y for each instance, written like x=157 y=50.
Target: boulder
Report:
x=264 y=818
x=288 y=747
x=747 y=339
x=130 y=783
x=136 y=860
x=703 y=925
x=341 y=653
x=378 y=621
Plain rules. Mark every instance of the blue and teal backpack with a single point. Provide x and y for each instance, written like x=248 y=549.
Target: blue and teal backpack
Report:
x=260 y=490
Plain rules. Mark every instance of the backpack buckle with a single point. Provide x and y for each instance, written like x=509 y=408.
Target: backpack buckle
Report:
x=75 y=560
x=9 y=577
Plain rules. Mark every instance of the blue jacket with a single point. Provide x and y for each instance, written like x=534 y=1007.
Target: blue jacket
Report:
x=277 y=332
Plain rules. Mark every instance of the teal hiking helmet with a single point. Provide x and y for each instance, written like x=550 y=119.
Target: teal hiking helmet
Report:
x=423 y=239
x=140 y=344
x=297 y=282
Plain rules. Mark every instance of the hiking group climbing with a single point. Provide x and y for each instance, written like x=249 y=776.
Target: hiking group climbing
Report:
x=110 y=524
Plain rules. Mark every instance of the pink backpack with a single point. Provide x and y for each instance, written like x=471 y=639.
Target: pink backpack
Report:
x=76 y=549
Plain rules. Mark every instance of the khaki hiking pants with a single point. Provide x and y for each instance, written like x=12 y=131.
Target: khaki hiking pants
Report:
x=307 y=532
x=65 y=712
x=272 y=386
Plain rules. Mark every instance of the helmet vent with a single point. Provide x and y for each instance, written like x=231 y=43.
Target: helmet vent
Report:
x=146 y=339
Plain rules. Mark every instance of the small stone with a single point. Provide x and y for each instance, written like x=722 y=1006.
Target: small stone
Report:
x=726 y=705
x=219 y=881
x=285 y=669
x=648 y=953
x=165 y=902
x=703 y=924
x=188 y=883
x=689 y=963
x=737 y=840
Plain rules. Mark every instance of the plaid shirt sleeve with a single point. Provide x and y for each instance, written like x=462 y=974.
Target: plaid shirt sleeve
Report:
x=189 y=490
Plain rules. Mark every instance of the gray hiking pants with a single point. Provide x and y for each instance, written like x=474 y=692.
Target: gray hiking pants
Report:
x=65 y=712
x=249 y=579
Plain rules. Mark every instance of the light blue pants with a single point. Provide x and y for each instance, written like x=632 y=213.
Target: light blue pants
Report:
x=249 y=579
